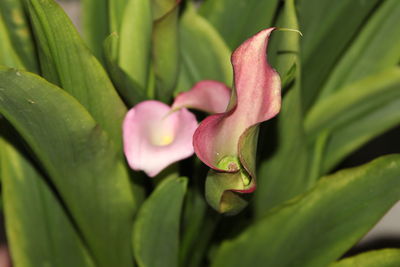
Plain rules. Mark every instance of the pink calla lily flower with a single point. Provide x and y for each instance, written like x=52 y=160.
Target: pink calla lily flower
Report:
x=227 y=141
x=208 y=96
x=155 y=136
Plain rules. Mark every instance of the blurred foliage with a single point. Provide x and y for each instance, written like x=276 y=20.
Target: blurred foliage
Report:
x=69 y=198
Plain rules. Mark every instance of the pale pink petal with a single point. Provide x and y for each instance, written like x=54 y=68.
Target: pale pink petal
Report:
x=154 y=137
x=256 y=99
x=208 y=96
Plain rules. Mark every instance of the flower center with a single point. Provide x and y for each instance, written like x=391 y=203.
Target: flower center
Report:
x=232 y=163
x=166 y=140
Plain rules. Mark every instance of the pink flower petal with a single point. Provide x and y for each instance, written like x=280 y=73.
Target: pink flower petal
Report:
x=256 y=99
x=155 y=138
x=208 y=96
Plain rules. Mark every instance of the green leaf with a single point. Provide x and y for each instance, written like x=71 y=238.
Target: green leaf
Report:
x=324 y=43
x=95 y=24
x=39 y=231
x=165 y=52
x=354 y=101
x=156 y=229
x=381 y=258
x=116 y=14
x=135 y=41
x=317 y=227
x=238 y=20
x=79 y=158
x=67 y=62
x=355 y=114
x=277 y=182
x=204 y=54
x=376 y=48
x=350 y=137
x=160 y=8
x=8 y=56
x=130 y=91
x=194 y=226
x=18 y=30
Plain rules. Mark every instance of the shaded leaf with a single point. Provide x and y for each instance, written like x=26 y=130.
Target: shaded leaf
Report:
x=95 y=24
x=18 y=30
x=376 y=48
x=156 y=229
x=354 y=101
x=129 y=90
x=351 y=114
x=8 y=56
x=238 y=20
x=204 y=54
x=324 y=43
x=352 y=136
x=317 y=227
x=39 y=231
x=193 y=226
x=135 y=41
x=116 y=14
x=277 y=182
x=165 y=52
x=79 y=158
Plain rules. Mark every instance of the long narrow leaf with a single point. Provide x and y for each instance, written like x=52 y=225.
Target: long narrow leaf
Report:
x=116 y=10
x=204 y=54
x=95 y=24
x=355 y=114
x=80 y=160
x=381 y=258
x=328 y=27
x=277 y=182
x=240 y=19
x=376 y=48
x=135 y=41
x=38 y=230
x=8 y=56
x=165 y=52
x=318 y=227
x=354 y=101
x=129 y=90
x=67 y=62
x=349 y=137
x=19 y=32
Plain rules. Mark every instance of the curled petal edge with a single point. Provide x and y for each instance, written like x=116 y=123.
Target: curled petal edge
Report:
x=209 y=96
x=256 y=99
x=226 y=185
